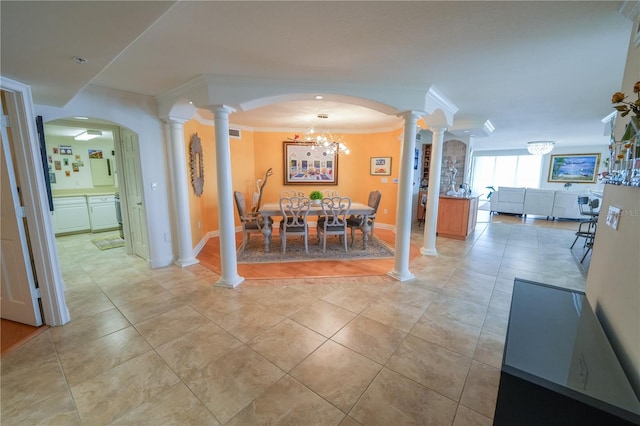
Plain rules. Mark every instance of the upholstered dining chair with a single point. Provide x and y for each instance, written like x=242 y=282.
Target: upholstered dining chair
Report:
x=252 y=222
x=356 y=221
x=333 y=220
x=329 y=193
x=294 y=220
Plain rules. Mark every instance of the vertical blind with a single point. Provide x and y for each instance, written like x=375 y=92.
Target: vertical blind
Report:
x=510 y=170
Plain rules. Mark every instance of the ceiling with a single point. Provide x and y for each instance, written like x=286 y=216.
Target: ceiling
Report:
x=536 y=70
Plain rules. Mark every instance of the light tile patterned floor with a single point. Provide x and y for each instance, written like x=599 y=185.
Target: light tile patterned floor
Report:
x=166 y=347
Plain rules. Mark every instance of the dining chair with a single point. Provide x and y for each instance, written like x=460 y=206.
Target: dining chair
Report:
x=294 y=220
x=333 y=220
x=252 y=222
x=329 y=193
x=587 y=228
x=357 y=221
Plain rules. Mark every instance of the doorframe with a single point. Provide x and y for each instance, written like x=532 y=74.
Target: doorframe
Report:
x=38 y=217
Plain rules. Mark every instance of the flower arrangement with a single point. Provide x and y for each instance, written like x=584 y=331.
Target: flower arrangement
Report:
x=626 y=107
x=316 y=195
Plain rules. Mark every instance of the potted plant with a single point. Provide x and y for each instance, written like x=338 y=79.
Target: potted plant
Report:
x=316 y=197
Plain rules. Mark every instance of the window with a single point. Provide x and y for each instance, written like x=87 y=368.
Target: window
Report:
x=508 y=170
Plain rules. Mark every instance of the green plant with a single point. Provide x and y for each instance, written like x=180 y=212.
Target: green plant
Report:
x=316 y=195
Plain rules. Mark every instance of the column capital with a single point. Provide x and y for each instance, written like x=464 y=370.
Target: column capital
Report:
x=174 y=120
x=220 y=109
x=411 y=114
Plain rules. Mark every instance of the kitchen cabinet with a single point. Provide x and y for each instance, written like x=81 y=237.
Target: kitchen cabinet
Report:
x=457 y=216
x=70 y=214
x=102 y=212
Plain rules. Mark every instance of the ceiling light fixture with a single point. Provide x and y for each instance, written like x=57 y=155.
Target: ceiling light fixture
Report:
x=540 y=147
x=88 y=135
x=323 y=139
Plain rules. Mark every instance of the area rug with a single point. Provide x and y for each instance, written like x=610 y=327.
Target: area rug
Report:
x=254 y=252
x=106 y=243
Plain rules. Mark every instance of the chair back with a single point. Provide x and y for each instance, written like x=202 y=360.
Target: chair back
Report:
x=241 y=205
x=294 y=212
x=288 y=194
x=374 y=201
x=329 y=193
x=335 y=211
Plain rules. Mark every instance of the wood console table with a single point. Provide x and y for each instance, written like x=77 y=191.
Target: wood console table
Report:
x=457 y=216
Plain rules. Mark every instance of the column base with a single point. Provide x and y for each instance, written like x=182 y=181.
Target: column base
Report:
x=428 y=252
x=232 y=283
x=186 y=262
x=400 y=276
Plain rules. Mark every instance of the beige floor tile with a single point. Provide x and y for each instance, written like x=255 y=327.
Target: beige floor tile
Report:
x=214 y=302
x=227 y=385
x=337 y=374
x=468 y=417
x=500 y=300
x=394 y=400
x=496 y=321
x=171 y=325
x=108 y=396
x=370 y=338
x=288 y=403
x=458 y=310
x=437 y=368
x=249 y=321
x=126 y=292
x=104 y=353
x=466 y=290
x=481 y=389
x=410 y=294
x=394 y=314
x=89 y=328
x=58 y=409
x=87 y=301
x=449 y=334
x=196 y=349
x=285 y=300
x=351 y=298
x=323 y=317
x=144 y=309
x=287 y=343
x=349 y=421
x=490 y=349
x=175 y=406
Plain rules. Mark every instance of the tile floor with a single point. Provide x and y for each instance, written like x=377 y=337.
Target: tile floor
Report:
x=166 y=347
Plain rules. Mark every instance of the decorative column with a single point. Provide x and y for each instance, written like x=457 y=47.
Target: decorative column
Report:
x=180 y=191
x=433 y=194
x=228 y=259
x=405 y=186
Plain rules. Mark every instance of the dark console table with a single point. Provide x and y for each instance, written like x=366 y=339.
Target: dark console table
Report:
x=558 y=366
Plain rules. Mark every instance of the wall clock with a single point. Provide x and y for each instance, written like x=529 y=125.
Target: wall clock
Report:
x=197 y=164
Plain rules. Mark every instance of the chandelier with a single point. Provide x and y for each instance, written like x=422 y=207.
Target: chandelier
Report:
x=324 y=140
x=540 y=147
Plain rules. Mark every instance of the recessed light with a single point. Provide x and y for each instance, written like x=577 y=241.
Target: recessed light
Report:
x=318 y=97
x=81 y=118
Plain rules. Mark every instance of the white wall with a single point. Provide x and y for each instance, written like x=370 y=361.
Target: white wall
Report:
x=139 y=114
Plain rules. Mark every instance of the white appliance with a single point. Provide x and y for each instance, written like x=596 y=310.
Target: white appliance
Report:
x=102 y=211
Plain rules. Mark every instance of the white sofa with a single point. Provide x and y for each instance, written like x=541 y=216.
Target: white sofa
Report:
x=540 y=202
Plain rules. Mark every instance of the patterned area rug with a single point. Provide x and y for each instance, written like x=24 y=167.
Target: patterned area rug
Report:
x=106 y=243
x=254 y=252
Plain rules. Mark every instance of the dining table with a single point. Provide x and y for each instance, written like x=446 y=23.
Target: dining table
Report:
x=268 y=210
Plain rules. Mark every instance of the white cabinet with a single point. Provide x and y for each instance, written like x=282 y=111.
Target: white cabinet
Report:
x=70 y=215
x=102 y=210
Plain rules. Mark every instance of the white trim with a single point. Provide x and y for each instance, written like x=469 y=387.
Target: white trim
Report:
x=39 y=219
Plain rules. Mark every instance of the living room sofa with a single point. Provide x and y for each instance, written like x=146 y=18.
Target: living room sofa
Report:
x=560 y=204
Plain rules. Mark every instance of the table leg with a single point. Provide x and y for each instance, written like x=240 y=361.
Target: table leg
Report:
x=266 y=231
x=365 y=228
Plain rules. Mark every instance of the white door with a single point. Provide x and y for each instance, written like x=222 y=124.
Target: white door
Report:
x=19 y=295
x=133 y=189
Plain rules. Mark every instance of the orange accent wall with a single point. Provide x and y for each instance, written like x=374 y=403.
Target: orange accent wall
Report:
x=255 y=152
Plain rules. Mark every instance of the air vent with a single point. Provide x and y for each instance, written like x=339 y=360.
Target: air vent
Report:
x=234 y=133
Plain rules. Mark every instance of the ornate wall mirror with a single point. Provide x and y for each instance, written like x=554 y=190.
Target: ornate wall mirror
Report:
x=197 y=164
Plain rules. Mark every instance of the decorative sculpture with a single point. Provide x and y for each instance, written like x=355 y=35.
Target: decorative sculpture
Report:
x=260 y=183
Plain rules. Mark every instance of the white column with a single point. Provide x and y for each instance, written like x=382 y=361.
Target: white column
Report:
x=228 y=259
x=433 y=193
x=403 y=211
x=180 y=189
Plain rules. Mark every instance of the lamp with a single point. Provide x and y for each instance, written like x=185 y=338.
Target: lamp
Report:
x=325 y=140
x=88 y=135
x=540 y=147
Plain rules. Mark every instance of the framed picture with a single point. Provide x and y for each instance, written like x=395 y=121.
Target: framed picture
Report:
x=574 y=168
x=308 y=164
x=380 y=166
